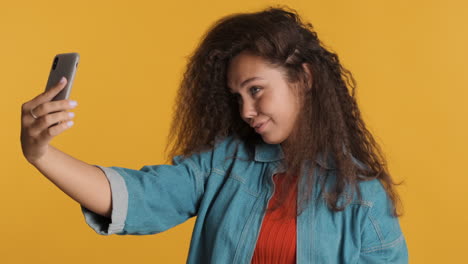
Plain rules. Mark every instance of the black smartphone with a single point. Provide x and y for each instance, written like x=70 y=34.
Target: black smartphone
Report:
x=64 y=64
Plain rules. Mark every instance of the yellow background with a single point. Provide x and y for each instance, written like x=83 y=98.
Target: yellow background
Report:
x=408 y=57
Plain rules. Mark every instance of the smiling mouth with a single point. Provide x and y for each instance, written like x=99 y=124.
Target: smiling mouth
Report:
x=262 y=127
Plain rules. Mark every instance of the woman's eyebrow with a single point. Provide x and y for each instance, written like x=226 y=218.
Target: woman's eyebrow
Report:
x=250 y=80
x=245 y=82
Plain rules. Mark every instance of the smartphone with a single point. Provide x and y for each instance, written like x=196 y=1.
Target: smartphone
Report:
x=64 y=64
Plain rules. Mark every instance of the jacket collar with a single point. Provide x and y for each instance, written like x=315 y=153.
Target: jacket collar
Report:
x=273 y=152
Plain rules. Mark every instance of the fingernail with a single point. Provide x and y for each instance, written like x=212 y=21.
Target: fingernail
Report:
x=71 y=114
x=62 y=80
x=73 y=103
x=70 y=123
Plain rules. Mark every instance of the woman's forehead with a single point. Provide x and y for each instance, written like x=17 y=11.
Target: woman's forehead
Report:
x=246 y=68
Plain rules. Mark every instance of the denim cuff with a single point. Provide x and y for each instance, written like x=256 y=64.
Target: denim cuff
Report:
x=115 y=225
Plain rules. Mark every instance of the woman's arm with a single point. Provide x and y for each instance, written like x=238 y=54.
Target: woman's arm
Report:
x=86 y=184
x=382 y=240
x=42 y=119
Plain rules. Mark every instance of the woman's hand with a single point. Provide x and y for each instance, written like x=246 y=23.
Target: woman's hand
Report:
x=36 y=133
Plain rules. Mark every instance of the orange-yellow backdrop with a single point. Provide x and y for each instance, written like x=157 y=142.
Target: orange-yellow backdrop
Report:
x=408 y=57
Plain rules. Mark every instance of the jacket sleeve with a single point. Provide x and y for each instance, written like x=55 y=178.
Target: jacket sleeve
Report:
x=382 y=240
x=152 y=199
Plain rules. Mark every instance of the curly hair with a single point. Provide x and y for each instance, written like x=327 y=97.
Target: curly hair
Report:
x=329 y=120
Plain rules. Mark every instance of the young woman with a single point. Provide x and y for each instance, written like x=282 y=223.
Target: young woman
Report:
x=271 y=155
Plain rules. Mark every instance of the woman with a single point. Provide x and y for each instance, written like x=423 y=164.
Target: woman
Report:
x=270 y=153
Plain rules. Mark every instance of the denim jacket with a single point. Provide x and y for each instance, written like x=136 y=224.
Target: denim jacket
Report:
x=228 y=190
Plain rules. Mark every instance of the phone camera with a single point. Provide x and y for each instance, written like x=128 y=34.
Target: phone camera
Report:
x=54 y=65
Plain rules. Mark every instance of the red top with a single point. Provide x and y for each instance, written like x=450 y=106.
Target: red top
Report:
x=277 y=240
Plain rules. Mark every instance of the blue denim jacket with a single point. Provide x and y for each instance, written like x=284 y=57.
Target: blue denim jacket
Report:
x=229 y=196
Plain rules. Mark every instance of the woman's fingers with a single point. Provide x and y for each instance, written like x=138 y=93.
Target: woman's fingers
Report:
x=54 y=106
x=43 y=126
x=46 y=96
x=48 y=133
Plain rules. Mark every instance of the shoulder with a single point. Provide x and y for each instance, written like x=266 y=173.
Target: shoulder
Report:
x=216 y=156
x=382 y=227
x=372 y=193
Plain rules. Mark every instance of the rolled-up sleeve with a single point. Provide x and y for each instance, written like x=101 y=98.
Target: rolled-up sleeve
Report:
x=101 y=224
x=152 y=199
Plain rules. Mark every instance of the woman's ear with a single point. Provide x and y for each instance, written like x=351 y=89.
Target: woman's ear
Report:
x=308 y=71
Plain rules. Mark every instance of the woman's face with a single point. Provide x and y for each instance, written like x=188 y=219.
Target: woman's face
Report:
x=263 y=96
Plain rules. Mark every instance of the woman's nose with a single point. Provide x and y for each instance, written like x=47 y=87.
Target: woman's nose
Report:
x=248 y=109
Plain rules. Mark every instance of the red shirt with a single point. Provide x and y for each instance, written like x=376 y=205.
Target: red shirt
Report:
x=277 y=239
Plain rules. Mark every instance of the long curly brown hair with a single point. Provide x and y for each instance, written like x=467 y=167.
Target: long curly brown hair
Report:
x=329 y=121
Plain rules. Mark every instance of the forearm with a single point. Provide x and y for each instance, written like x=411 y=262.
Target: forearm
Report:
x=84 y=183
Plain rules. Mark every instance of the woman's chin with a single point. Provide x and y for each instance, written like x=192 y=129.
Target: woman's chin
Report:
x=270 y=140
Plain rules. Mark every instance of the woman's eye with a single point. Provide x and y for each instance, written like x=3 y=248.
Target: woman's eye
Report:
x=254 y=88
x=253 y=91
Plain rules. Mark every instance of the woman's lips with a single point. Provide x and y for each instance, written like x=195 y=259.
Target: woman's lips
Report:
x=262 y=127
